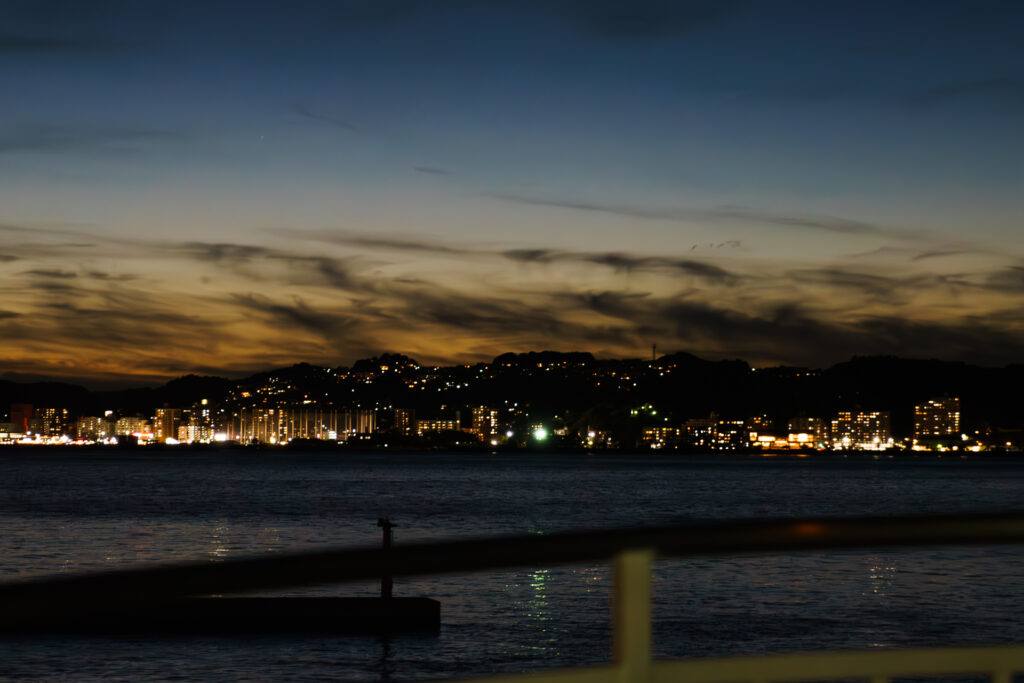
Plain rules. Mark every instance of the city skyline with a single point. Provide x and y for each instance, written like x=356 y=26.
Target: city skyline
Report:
x=225 y=189
x=554 y=399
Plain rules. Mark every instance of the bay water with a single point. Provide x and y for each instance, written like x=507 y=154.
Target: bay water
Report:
x=74 y=512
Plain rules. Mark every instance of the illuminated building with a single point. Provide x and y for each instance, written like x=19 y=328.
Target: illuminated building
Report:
x=279 y=425
x=865 y=431
x=485 y=423
x=729 y=435
x=92 y=428
x=360 y=421
x=699 y=432
x=9 y=432
x=425 y=426
x=660 y=437
x=808 y=432
x=126 y=426
x=192 y=433
x=760 y=431
x=937 y=417
x=166 y=423
x=405 y=420
x=200 y=415
x=54 y=421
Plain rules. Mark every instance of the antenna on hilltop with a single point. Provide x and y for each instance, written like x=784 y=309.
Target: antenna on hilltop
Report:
x=654 y=352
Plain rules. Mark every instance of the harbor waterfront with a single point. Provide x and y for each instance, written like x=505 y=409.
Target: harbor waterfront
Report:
x=78 y=512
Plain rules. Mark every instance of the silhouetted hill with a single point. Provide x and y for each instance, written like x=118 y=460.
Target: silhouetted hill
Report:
x=577 y=387
x=43 y=394
x=531 y=358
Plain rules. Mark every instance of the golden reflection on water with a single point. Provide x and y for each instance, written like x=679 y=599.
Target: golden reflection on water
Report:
x=537 y=610
x=219 y=543
x=881 y=577
x=538 y=604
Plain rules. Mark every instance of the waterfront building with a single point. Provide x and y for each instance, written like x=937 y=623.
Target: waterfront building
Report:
x=761 y=424
x=425 y=426
x=92 y=429
x=699 y=432
x=53 y=421
x=729 y=435
x=405 y=420
x=864 y=431
x=166 y=423
x=279 y=425
x=937 y=417
x=485 y=424
x=9 y=432
x=660 y=437
x=760 y=431
x=128 y=426
x=808 y=432
x=356 y=422
x=193 y=433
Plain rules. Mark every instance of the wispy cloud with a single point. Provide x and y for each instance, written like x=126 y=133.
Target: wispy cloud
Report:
x=296 y=314
x=625 y=262
x=337 y=121
x=619 y=261
x=325 y=300
x=59 y=274
x=725 y=213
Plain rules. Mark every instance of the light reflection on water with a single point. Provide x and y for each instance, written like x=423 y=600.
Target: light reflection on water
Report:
x=75 y=513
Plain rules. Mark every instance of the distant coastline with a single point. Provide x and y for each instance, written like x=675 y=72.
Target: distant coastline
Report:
x=341 y=449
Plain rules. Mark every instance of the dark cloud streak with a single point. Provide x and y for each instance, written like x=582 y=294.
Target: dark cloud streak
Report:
x=731 y=213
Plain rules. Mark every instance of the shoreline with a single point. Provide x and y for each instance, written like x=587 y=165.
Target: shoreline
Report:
x=343 y=449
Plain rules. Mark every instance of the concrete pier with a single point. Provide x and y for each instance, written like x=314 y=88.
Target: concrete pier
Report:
x=245 y=615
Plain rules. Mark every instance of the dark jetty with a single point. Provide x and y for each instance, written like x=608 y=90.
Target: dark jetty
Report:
x=244 y=615
x=49 y=614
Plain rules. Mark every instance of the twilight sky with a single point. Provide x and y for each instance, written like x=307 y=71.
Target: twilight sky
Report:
x=221 y=187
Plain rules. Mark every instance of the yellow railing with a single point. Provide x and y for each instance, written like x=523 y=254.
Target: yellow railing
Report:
x=632 y=663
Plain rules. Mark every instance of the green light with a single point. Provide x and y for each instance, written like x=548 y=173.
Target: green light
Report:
x=540 y=433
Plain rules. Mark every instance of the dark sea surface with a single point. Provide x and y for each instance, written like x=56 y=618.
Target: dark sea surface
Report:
x=72 y=512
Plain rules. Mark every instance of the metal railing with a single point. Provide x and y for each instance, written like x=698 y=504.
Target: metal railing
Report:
x=631 y=552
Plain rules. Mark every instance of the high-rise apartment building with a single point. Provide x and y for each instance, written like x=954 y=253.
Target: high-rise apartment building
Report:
x=485 y=423
x=279 y=425
x=864 y=431
x=54 y=421
x=937 y=418
x=166 y=423
x=405 y=420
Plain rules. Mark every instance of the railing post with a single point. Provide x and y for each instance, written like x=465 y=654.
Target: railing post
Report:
x=386 y=582
x=631 y=615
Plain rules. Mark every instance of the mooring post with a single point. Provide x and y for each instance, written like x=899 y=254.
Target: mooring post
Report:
x=386 y=584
